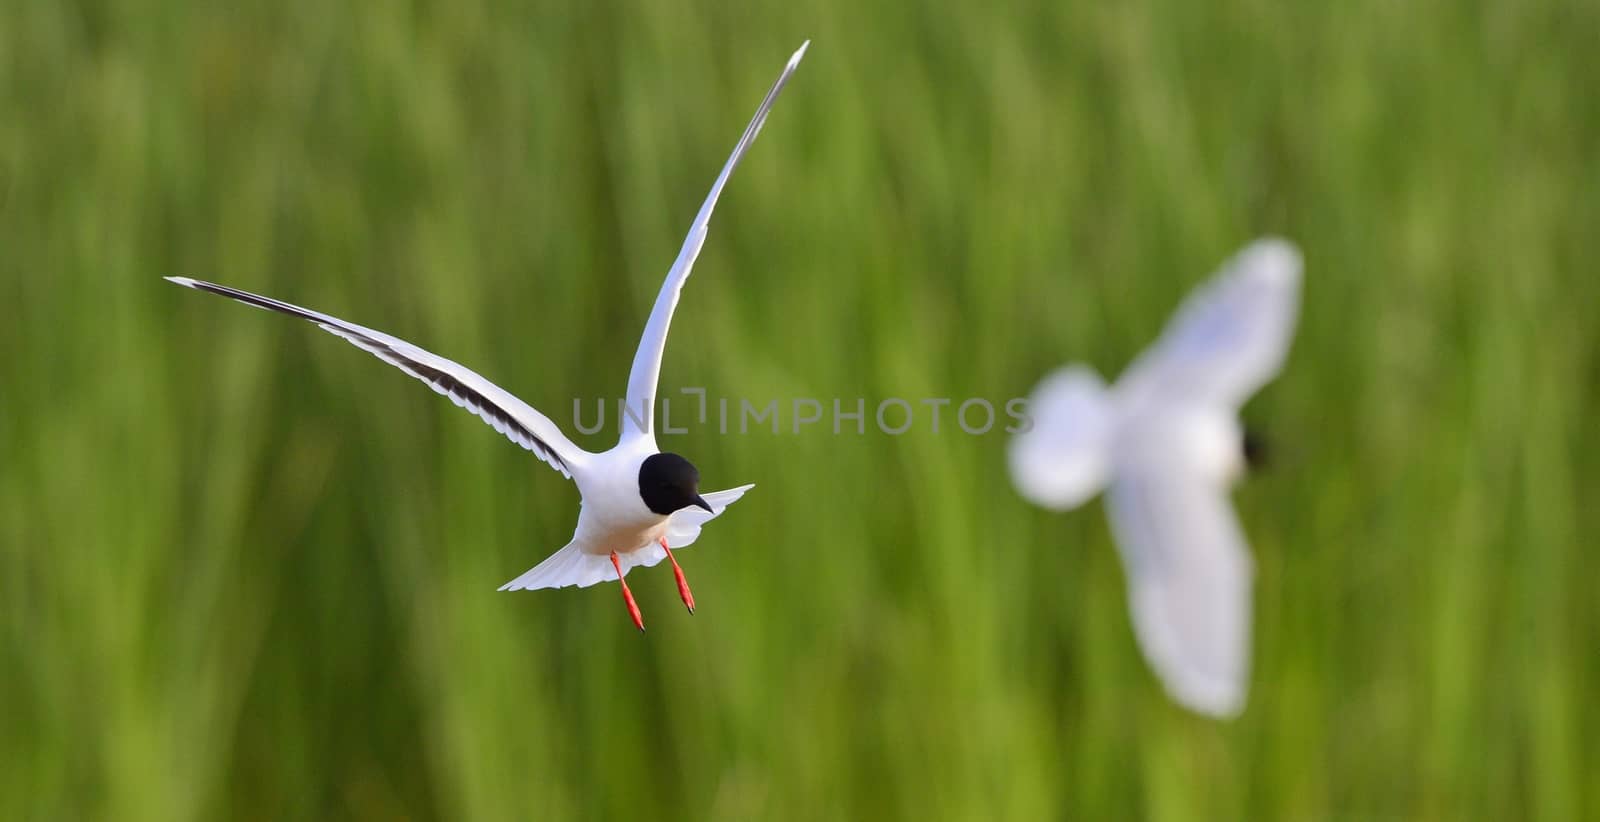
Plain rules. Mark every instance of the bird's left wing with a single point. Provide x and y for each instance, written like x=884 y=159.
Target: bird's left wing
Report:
x=647 y=360
x=1229 y=337
x=510 y=416
x=1189 y=579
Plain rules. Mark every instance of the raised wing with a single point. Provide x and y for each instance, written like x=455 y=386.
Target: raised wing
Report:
x=1228 y=338
x=647 y=360
x=509 y=415
x=1189 y=579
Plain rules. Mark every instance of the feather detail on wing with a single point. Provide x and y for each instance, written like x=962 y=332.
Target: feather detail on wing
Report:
x=517 y=420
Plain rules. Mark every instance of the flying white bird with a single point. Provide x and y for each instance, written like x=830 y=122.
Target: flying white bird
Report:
x=1167 y=442
x=637 y=502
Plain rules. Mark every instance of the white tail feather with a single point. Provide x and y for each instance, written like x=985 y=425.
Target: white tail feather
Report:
x=569 y=566
x=1064 y=459
x=574 y=566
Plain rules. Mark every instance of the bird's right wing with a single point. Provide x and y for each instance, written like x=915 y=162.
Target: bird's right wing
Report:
x=1189 y=578
x=510 y=416
x=1229 y=337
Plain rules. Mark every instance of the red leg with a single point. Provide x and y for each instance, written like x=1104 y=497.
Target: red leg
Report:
x=627 y=595
x=683 y=584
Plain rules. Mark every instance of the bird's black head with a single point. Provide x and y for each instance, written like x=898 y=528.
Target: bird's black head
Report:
x=669 y=483
x=1256 y=449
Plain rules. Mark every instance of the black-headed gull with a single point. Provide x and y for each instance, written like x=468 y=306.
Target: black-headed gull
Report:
x=637 y=502
x=1166 y=440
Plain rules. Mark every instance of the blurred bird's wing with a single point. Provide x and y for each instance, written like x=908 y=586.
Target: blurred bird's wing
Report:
x=1228 y=338
x=1189 y=579
x=572 y=566
x=647 y=360
x=1063 y=457
x=509 y=415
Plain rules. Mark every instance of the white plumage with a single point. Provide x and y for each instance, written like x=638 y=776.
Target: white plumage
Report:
x=574 y=566
x=1165 y=441
x=615 y=523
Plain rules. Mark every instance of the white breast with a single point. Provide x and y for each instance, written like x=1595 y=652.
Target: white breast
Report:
x=1207 y=442
x=613 y=516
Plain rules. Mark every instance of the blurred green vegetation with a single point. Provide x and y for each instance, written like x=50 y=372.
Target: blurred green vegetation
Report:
x=246 y=571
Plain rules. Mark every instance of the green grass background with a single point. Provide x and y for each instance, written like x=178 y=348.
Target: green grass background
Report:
x=248 y=572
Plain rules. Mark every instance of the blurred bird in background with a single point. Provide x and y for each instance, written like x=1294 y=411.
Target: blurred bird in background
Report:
x=1166 y=443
